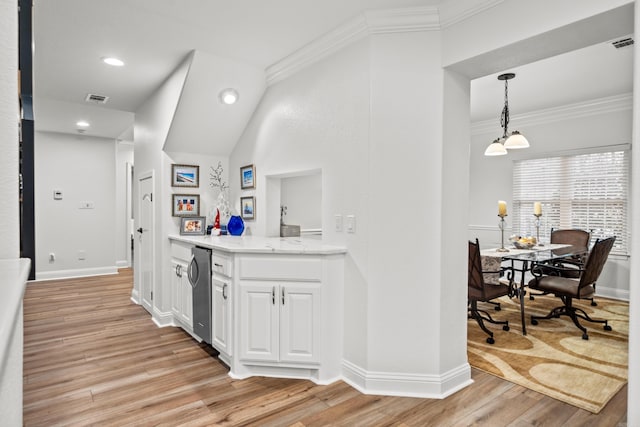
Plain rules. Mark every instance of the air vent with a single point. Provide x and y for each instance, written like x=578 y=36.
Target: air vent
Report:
x=98 y=99
x=628 y=41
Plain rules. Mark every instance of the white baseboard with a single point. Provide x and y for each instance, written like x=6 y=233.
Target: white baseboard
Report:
x=123 y=263
x=407 y=385
x=619 y=294
x=80 y=272
x=162 y=319
x=135 y=297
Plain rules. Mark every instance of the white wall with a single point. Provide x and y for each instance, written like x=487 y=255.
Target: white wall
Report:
x=491 y=177
x=124 y=157
x=83 y=168
x=9 y=115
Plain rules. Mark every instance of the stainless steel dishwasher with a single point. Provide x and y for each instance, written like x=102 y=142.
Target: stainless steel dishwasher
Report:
x=199 y=273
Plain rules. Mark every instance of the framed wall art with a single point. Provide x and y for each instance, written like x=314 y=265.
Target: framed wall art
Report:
x=247 y=177
x=248 y=207
x=193 y=225
x=185 y=205
x=185 y=176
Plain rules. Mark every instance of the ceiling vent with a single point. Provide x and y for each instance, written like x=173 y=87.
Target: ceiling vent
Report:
x=98 y=99
x=627 y=41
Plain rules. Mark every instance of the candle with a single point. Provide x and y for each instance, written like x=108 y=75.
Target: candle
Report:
x=502 y=208
x=537 y=209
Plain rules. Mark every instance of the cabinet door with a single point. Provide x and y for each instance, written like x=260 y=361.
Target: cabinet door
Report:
x=187 y=299
x=221 y=327
x=258 y=321
x=299 y=322
x=176 y=289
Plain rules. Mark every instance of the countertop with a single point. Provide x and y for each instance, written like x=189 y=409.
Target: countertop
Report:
x=254 y=244
x=13 y=279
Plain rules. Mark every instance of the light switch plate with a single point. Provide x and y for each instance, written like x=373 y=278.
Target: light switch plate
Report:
x=351 y=224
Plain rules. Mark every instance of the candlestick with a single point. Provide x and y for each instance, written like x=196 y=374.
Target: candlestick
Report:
x=502 y=208
x=539 y=243
x=501 y=225
x=537 y=208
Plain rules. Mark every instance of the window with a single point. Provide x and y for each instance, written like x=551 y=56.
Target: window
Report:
x=587 y=191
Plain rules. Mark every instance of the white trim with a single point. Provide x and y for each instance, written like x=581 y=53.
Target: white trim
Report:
x=135 y=297
x=619 y=294
x=371 y=22
x=609 y=104
x=407 y=385
x=80 y=272
x=402 y=20
x=449 y=16
x=318 y=49
x=123 y=263
x=162 y=318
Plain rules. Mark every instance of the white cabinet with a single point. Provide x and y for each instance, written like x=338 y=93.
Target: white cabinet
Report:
x=181 y=294
x=221 y=328
x=280 y=322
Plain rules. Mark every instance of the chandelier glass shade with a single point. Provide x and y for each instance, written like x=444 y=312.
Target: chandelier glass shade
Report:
x=512 y=141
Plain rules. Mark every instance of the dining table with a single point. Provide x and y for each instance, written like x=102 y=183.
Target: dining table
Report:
x=524 y=260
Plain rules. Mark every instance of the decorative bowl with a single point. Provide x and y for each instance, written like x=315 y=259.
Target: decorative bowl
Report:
x=521 y=245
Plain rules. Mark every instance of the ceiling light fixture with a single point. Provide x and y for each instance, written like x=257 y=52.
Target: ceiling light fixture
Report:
x=113 y=61
x=229 y=96
x=512 y=142
x=82 y=124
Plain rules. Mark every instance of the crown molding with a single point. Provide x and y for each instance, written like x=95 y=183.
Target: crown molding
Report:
x=403 y=20
x=370 y=22
x=610 y=104
x=318 y=49
x=453 y=12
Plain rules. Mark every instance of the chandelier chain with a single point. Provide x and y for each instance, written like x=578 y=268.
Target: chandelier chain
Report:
x=504 y=118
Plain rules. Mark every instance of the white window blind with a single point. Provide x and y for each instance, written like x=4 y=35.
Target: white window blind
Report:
x=587 y=191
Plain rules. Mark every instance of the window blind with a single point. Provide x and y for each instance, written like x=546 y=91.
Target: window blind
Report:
x=587 y=191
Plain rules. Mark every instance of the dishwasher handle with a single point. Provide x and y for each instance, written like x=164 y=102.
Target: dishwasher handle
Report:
x=192 y=271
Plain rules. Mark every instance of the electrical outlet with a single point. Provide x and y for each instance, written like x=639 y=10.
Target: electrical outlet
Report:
x=52 y=257
x=82 y=255
x=86 y=205
x=338 y=219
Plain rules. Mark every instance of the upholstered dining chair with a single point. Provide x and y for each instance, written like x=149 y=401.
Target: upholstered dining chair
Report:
x=479 y=290
x=568 y=289
x=568 y=267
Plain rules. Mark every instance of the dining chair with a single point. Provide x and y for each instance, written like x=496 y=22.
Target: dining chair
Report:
x=568 y=267
x=480 y=290
x=568 y=289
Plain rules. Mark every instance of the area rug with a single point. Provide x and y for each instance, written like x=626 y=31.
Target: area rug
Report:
x=552 y=358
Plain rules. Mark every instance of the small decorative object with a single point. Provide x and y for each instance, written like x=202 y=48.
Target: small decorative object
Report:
x=235 y=225
x=193 y=225
x=185 y=176
x=537 y=212
x=502 y=212
x=185 y=205
x=222 y=203
x=247 y=177
x=216 y=222
x=248 y=207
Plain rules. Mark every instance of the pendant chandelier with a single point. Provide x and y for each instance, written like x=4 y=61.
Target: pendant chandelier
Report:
x=514 y=141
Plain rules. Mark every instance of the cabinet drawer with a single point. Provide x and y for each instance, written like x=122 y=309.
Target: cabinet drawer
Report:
x=222 y=264
x=181 y=250
x=281 y=268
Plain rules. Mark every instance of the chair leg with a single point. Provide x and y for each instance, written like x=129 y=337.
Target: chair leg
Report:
x=574 y=313
x=477 y=314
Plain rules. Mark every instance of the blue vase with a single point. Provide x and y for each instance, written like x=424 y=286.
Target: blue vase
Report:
x=235 y=226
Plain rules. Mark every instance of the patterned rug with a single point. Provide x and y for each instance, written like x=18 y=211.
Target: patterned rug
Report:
x=552 y=358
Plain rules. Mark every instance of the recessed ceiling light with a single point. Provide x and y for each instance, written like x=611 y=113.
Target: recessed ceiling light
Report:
x=113 y=61
x=82 y=124
x=229 y=96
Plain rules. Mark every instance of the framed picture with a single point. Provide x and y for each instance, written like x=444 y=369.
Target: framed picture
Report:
x=248 y=207
x=247 y=177
x=185 y=176
x=193 y=225
x=185 y=205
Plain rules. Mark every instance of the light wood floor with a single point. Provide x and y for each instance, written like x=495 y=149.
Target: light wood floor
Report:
x=92 y=357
